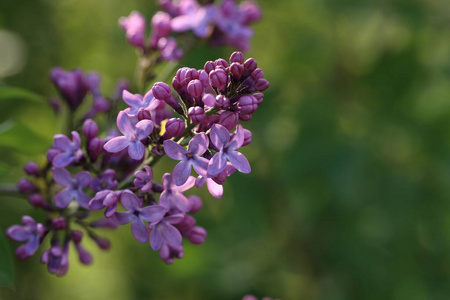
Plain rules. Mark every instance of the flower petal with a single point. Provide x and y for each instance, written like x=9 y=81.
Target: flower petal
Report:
x=181 y=172
x=116 y=144
x=123 y=218
x=124 y=123
x=64 y=197
x=130 y=201
x=217 y=164
x=153 y=213
x=200 y=165
x=170 y=234
x=174 y=150
x=238 y=138
x=199 y=144
x=82 y=199
x=143 y=129
x=62 y=177
x=63 y=159
x=83 y=178
x=136 y=150
x=239 y=161
x=62 y=142
x=214 y=188
x=219 y=136
x=139 y=230
x=76 y=140
x=134 y=100
x=18 y=233
x=156 y=239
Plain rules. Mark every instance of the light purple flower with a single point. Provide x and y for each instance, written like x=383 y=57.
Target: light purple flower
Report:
x=69 y=151
x=172 y=198
x=137 y=102
x=169 y=252
x=73 y=187
x=214 y=188
x=31 y=233
x=132 y=136
x=72 y=85
x=106 y=198
x=190 y=158
x=57 y=259
x=134 y=26
x=194 y=17
x=106 y=181
x=144 y=179
x=136 y=214
x=163 y=231
x=226 y=150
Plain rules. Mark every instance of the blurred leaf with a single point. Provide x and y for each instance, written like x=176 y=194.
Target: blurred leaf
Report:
x=13 y=93
x=6 y=266
x=23 y=139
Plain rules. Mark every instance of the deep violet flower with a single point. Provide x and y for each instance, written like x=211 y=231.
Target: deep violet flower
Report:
x=144 y=179
x=31 y=233
x=136 y=214
x=132 y=136
x=172 y=198
x=57 y=259
x=106 y=181
x=106 y=198
x=68 y=151
x=163 y=232
x=190 y=158
x=220 y=138
x=73 y=187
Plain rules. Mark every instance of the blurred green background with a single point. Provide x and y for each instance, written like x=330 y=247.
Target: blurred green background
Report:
x=349 y=197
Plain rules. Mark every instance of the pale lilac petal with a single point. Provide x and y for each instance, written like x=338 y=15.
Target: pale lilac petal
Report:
x=136 y=150
x=200 y=181
x=174 y=219
x=83 y=199
x=181 y=23
x=62 y=177
x=170 y=234
x=110 y=210
x=96 y=203
x=32 y=245
x=217 y=164
x=174 y=150
x=62 y=142
x=116 y=144
x=200 y=165
x=181 y=172
x=150 y=102
x=156 y=239
x=83 y=178
x=165 y=200
x=189 y=183
x=239 y=161
x=139 y=230
x=181 y=202
x=29 y=221
x=143 y=129
x=76 y=140
x=214 y=188
x=63 y=160
x=18 y=233
x=199 y=144
x=153 y=213
x=238 y=138
x=130 y=201
x=134 y=100
x=219 y=136
x=124 y=123
x=123 y=218
x=64 y=197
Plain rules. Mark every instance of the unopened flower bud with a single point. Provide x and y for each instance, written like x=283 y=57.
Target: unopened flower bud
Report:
x=55 y=104
x=37 y=200
x=172 y=102
x=221 y=62
x=259 y=97
x=261 y=84
x=236 y=69
x=222 y=102
x=186 y=224
x=257 y=74
x=247 y=104
x=51 y=153
x=31 y=168
x=174 y=127
x=102 y=243
x=228 y=119
x=209 y=66
x=90 y=129
x=77 y=236
x=25 y=186
x=209 y=100
x=161 y=91
x=247 y=137
x=195 y=88
x=104 y=223
x=250 y=65
x=161 y=24
x=196 y=203
x=218 y=78
x=95 y=148
x=244 y=117
x=237 y=57
x=197 y=114
x=197 y=235
x=144 y=114
x=59 y=223
x=84 y=256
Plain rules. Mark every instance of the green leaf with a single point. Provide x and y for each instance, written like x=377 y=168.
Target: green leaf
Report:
x=6 y=265
x=24 y=140
x=13 y=93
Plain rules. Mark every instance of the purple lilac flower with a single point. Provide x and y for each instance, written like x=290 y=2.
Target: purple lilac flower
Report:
x=71 y=85
x=31 y=168
x=172 y=198
x=84 y=256
x=25 y=186
x=194 y=17
x=144 y=179
x=132 y=136
x=106 y=198
x=137 y=102
x=214 y=188
x=160 y=27
x=68 y=151
x=134 y=26
x=163 y=231
x=57 y=259
x=73 y=187
x=220 y=138
x=169 y=252
x=136 y=214
x=31 y=233
x=168 y=47
x=106 y=181
x=190 y=158
x=174 y=128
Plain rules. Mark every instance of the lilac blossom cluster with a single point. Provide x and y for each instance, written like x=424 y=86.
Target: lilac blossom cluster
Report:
x=227 y=23
x=194 y=122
